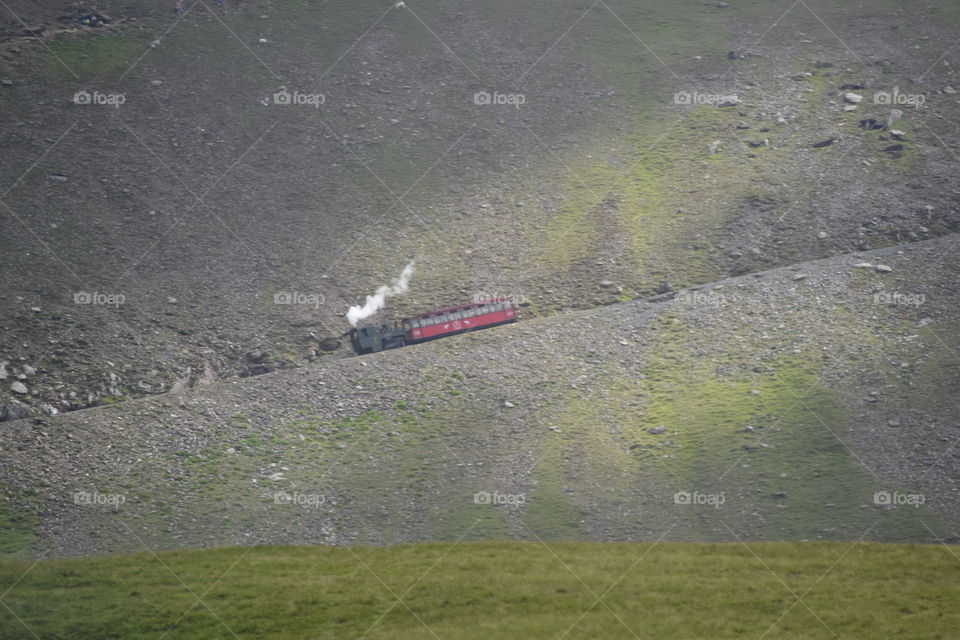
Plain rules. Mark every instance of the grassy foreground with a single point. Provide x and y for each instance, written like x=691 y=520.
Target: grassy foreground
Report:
x=492 y=590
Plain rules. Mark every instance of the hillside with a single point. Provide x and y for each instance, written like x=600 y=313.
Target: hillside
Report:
x=198 y=199
x=778 y=403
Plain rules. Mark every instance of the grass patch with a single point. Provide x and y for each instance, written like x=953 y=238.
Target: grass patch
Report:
x=17 y=532
x=93 y=57
x=484 y=590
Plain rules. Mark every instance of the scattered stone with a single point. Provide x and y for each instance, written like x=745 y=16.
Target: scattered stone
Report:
x=18 y=387
x=606 y=284
x=870 y=124
x=255 y=356
x=822 y=235
x=231 y=450
x=657 y=430
x=507 y=404
x=13 y=412
x=799 y=276
x=897 y=134
x=853 y=98
x=722 y=5
x=850 y=107
x=895 y=116
x=156 y=83
x=329 y=344
x=713 y=147
x=882 y=268
x=824 y=143
x=949 y=90
x=6 y=83
x=56 y=177
x=28 y=370
x=863 y=265
x=893 y=423
x=729 y=101
x=780 y=494
x=3 y=371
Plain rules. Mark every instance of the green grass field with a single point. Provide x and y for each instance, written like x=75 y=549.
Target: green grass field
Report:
x=492 y=590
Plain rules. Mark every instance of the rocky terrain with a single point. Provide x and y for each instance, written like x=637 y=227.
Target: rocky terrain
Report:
x=778 y=405
x=731 y=229
x=159 y=200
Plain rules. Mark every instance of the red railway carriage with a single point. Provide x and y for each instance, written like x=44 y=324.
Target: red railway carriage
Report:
x=436 y=324
x=467 y=317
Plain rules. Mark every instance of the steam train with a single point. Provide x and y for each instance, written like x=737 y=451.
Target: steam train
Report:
x=433 y=325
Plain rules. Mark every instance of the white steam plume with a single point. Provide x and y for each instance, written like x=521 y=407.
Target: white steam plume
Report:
x=375 y=302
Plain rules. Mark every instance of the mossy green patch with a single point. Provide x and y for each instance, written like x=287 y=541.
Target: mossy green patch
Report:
x=773 y=441
x=98 y=58
x=17 y=531
x=550 y=513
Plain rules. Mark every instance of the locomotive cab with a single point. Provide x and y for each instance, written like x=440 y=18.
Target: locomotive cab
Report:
x=370 y=339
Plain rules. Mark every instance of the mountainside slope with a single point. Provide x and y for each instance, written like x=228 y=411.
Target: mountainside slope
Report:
x=200 y=199
x=811 y=402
